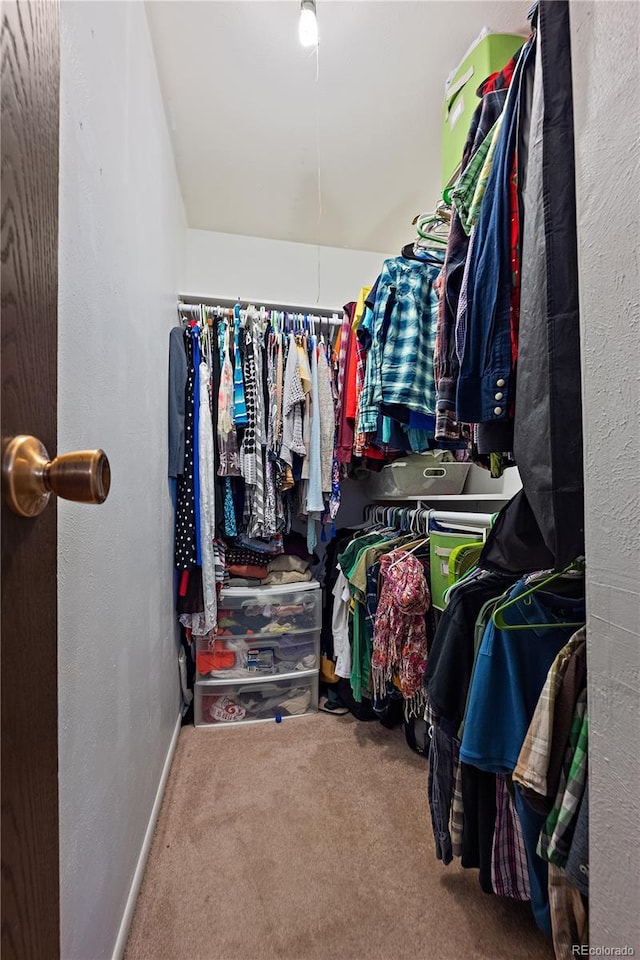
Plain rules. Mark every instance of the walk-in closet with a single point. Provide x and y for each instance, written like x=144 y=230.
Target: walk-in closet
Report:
x=346 y=649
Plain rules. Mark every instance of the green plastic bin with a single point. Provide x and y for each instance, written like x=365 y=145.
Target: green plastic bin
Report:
x=490 y=52
x=440 y=547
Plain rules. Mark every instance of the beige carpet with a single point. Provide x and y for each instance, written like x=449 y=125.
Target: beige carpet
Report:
x=310 y=840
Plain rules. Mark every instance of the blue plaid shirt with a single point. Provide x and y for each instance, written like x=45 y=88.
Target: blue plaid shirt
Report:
x=403 y=331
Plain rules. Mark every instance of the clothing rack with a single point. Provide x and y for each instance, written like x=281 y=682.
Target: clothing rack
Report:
x=332 y=315
x=416 y=519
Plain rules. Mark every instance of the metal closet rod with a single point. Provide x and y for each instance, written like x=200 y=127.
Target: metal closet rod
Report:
x=325 y=312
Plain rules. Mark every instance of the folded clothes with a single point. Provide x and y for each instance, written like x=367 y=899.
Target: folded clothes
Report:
x=237 y=556
x=279 y=577
x=271 y=547
x=288 y=562
x=248 y=570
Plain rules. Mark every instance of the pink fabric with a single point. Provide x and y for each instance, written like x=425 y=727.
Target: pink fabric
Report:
x=400 y=636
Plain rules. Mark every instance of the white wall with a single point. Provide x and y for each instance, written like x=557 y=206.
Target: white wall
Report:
x=122 y=240
x=606 y=61
x=277 y=271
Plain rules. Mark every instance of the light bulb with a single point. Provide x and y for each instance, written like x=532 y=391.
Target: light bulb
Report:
x=308 y=25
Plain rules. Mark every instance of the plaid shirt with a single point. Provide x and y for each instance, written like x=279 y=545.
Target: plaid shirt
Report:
x=509 y=870
x=473 y=180
x=533 y=762
x=456 y=824
x=555 y=839
x=400 y=362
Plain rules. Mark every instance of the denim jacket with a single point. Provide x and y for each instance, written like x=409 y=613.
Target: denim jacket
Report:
x=486 y=378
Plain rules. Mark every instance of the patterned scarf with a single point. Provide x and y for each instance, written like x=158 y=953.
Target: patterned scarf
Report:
x=400 y=636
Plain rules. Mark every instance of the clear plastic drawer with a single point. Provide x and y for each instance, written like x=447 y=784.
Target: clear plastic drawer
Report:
x=269 y=611
x=228 y=658
x=223 y=705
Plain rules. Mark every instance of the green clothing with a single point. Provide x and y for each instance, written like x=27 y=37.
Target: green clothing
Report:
x=360 y=670
x=366 y=558
x=556 y=835
x=474 y=210
x=463 y=193
x=347 y=557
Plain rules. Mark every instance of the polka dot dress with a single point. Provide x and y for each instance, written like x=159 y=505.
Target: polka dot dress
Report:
x=185 y=546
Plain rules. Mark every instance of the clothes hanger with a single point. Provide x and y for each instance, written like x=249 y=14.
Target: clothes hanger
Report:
x=405 y=551
x=498 y=614
x=425 y=225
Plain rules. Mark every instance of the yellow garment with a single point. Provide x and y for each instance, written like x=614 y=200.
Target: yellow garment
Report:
x=362 y=296
x=303 y=366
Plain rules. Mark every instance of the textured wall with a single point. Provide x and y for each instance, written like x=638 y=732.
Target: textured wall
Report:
x=606 y=69
x=226 y=265
x=122 y=237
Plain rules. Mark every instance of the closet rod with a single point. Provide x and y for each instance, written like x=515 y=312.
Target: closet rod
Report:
x=327 y=313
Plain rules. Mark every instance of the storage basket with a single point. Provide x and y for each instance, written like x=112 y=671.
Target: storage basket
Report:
x=418 y=475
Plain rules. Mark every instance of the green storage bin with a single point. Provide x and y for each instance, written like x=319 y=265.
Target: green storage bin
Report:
x=440 y=547
x=489 y=53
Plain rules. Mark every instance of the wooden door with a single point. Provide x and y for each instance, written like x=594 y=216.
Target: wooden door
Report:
x=30 y=136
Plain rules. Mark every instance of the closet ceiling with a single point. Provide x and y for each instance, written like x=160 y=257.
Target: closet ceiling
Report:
x=252 y=123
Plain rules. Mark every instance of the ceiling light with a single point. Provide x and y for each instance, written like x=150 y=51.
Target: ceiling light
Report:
x=308 y=26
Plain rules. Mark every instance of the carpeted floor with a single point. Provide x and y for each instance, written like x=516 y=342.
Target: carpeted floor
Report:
x=310 y=840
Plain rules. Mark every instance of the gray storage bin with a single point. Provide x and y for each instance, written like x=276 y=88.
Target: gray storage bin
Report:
x=418 y=475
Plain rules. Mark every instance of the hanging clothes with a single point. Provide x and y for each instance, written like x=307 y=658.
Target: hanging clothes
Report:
x=327 y=414
x=399 y=379
x=400 y=637
x=484 y=386
x=293 y=399
x=178 y=371
x=207 y=503
x=185 y=538
x=226 y=429
x=493 y=94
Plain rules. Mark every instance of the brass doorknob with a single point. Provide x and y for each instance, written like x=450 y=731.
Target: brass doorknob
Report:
x=29 y=476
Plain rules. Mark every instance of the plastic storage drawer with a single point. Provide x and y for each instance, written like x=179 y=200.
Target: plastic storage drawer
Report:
x=226 y=704
x=418 y=475
x=227 y=659
x=270 y=611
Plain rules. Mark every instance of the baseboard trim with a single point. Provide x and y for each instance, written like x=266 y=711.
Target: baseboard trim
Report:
x=127 y=917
